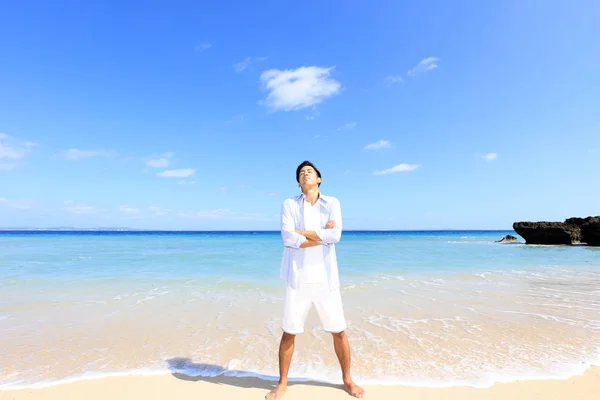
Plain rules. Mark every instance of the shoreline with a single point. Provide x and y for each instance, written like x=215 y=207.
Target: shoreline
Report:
x=217 y=373
x=582 y=387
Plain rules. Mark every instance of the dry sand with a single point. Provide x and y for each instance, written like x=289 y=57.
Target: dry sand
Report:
x=584 y=387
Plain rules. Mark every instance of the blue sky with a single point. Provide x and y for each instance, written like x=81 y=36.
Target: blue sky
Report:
x=194 y=115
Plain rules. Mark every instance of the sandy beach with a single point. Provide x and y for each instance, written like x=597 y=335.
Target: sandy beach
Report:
x=584 y=387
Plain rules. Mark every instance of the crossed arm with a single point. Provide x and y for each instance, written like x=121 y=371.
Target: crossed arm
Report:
x=314 y=236
x=297 y=238
x=310 y=243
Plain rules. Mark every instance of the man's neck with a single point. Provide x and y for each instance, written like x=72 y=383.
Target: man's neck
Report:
x=311 y=195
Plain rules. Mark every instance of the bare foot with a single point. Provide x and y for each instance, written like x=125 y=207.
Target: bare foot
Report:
x=353 y=389
x=277 y=393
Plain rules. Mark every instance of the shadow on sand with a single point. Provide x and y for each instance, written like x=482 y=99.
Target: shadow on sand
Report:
x=185 y=369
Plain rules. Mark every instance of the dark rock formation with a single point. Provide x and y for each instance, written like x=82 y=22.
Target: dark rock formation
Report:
x=508 y=239
x=590 y=231
x=568 y=232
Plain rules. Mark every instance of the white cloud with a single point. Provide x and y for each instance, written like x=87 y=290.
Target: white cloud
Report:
x=203 y=47
x=242 y=65
x=177 y=173
x=397 y=168
x=246 y=62
x=77 y=208
x=184 y=182
x=11 y=153
x=427 y=64
x=129 y=210
x=380 y=144
x=392 y=80
x=223 y=189
x=490 y=156
x=347 y=126
x=76 y=154
x=299 y=88
x=12 y=150
x=19 y=204
x=159 y=161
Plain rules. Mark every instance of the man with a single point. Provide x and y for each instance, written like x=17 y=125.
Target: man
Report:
x=311 y=224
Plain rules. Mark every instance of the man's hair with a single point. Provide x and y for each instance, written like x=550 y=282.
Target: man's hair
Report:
x=305 y=164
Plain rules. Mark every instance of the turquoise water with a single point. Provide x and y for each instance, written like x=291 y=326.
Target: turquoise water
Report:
x=255 y=256
x=87 y=285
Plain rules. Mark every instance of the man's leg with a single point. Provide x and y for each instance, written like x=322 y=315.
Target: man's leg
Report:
x=295 y=310
x=286 y=351
x=342 y=351
x=331 y=312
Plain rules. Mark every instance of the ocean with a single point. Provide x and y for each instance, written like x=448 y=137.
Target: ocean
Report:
x=424 y=308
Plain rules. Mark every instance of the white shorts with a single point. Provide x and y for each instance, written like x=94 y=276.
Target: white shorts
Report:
x=298 y=302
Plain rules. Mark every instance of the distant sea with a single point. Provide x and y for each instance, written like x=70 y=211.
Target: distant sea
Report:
x=427 y=308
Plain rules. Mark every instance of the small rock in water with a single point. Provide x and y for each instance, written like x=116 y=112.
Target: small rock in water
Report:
x=508 y=239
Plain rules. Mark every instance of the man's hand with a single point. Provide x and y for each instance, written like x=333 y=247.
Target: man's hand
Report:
x=330 y=224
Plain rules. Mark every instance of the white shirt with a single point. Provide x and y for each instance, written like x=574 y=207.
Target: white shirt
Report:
x=292 y=217
x=313 y=267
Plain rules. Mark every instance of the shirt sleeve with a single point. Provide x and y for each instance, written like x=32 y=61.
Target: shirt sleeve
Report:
x=288 y=234
x=333 y=235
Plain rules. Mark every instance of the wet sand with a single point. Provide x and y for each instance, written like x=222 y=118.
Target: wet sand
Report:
x=582 y=387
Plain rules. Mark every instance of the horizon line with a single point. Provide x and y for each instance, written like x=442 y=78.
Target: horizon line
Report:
x=233 y=230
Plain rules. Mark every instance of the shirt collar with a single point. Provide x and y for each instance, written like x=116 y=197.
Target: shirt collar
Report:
x=300 y=198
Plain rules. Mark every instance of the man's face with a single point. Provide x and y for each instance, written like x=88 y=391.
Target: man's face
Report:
x=308 y=177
